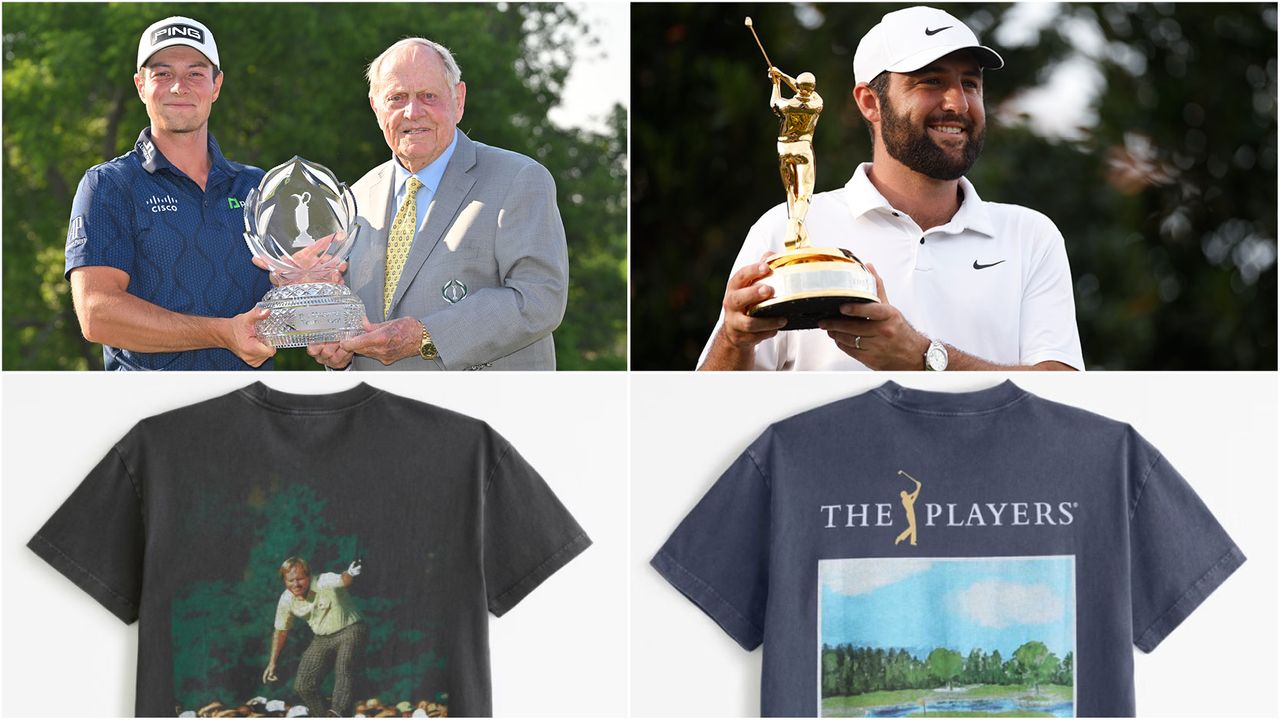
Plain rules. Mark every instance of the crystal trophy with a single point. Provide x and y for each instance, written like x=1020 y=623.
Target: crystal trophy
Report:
x=809 y=283
x=301 y=222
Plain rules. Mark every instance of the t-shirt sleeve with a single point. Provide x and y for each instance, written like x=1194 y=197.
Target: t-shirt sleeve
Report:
x=528 y=533
x=101 y=228
x=1179 y=554
x=718 y=556
x=96 y=538
x=1048 y=329
x=328 y=580
x=284 y=618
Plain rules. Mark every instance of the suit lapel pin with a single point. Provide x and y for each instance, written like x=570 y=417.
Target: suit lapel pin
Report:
x=453 y=291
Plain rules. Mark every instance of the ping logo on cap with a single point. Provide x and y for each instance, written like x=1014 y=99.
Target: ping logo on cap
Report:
x=176 y=30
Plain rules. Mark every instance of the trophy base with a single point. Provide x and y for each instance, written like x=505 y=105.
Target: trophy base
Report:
x=810 y=284
x=309 y=313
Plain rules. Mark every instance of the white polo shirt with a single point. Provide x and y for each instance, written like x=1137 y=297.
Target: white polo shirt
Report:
x=993 y=282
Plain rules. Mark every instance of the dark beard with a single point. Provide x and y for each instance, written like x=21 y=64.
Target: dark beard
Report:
x=912 y=147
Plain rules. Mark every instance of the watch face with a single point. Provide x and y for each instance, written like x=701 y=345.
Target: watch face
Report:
x=936 y=358
x=428 y=351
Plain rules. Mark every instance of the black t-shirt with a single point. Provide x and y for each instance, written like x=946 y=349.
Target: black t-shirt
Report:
x=377 y=531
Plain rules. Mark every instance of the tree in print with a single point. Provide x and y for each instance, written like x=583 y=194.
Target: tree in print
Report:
x=944 y=665
x=1035 y=664
x=849 y=670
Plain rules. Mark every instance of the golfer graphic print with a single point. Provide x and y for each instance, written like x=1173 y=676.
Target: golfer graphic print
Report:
x=338 y=634
x=909 y=505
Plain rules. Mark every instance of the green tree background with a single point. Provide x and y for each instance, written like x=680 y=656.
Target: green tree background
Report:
x=221 y=630
x=1166 y=195
x=295 y=85
x=849 y=670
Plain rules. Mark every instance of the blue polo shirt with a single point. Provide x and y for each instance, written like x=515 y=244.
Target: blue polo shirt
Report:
x=182 y=247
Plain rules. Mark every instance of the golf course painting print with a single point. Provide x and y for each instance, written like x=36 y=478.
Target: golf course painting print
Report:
x=947 y=637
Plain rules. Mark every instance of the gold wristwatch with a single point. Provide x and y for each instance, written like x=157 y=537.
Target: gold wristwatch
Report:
x=428 y=348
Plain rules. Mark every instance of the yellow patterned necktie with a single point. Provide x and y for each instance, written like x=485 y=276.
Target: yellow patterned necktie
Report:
x=398 y=244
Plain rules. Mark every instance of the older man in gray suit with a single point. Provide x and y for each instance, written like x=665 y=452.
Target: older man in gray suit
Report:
x=462 y=251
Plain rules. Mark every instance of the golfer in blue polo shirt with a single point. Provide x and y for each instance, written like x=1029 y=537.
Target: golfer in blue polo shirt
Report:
x=159 y=270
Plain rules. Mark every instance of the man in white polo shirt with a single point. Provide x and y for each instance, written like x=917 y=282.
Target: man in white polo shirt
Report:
x=964 y=284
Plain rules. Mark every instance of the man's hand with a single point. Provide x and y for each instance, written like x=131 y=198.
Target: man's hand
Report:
x=877 y=335
x=306 y=259
x=241 y=337
x=387 y=342
x=330 y=354
x=775 y=75
x=269 y=675
x=354 y=569
x=735 y=344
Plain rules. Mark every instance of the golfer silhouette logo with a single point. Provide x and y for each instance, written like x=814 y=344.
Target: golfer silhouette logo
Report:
x=909 y=505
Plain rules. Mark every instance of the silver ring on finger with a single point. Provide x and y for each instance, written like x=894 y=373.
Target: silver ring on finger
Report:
x=857 y=342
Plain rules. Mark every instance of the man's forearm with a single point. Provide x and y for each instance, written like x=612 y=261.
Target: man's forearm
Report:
x=277 y=644
x=724 y=355
x=131 y=323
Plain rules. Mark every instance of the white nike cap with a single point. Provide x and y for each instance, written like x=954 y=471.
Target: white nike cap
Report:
x=907 y=40
x=177 y=30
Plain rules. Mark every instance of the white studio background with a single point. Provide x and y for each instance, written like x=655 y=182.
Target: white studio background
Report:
x=560 y=652
x=1218 y=429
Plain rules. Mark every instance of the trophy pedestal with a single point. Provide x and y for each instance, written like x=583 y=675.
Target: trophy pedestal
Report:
x=309 y=313
x=810 y=285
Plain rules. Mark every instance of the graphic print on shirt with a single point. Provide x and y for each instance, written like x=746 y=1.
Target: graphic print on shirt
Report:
x=305 y=628
x=909 y=507
x=902 y=637
x=858 y=515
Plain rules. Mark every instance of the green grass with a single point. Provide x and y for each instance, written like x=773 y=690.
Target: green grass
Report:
x=875 y=699
x=1047 y=692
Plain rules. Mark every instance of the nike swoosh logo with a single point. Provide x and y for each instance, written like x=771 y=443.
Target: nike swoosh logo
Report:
x=976 y=266
x=927 y=31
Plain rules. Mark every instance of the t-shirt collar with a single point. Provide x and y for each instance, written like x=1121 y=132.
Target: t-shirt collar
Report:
x=930 y=402
x=153 y=159
x=431 y=175
x=300 y=404
x=972 y=215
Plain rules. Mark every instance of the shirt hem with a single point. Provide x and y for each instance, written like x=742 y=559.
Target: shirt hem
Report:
x=1191 y=599
x=517 y=592
x=119 y=606
x=1074 y=362
x=734 y=623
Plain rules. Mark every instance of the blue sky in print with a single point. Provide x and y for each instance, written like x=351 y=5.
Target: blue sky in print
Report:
x=961 y=604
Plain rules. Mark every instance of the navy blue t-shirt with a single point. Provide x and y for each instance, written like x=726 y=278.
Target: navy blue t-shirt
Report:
x=183 y=248
x=984 y=553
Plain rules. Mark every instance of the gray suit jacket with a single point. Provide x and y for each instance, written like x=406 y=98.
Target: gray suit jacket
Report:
x=492 y=226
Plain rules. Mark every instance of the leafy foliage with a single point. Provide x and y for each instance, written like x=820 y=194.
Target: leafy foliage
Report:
x=944 y=665
x=849 y=670
x=1166 y=196
x=294 y=85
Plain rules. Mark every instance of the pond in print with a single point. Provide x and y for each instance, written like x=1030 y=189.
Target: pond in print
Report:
x=984 y=706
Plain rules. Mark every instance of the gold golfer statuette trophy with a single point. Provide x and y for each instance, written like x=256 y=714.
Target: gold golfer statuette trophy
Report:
x=809 y=283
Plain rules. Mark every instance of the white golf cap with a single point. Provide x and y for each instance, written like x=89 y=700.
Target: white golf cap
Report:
x=177 y=30
x=907 y=40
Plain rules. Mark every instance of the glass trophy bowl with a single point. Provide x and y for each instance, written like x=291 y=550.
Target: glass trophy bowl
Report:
x=810 y=284
x=300 y=222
